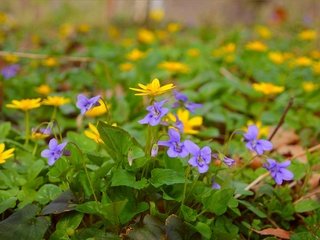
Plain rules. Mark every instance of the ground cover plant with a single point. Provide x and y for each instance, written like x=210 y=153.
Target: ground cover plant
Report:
x=159 y=132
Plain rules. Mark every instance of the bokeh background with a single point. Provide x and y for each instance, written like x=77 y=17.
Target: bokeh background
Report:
x=189 y=12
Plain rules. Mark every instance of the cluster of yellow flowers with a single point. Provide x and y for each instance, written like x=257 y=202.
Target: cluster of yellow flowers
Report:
x=226 y=52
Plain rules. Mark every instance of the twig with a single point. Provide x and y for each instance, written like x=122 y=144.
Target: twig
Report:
x=281 y=121
x=44 y=56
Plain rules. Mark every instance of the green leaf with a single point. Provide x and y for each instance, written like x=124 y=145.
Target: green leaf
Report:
x=306 y=205
x=8 y=203
x=152 y=229
x=161 y=177
x=132 y=209
x=24 y=224
x=61 y=204
x=218 y=201
x=204 y=230
x=189 y=214
x=110 y=211
x=224 y=229
x=118 y=142
x=84 y=143
x=4 y=129
x=67 y=225
x=253 y=209
x=35 y=169
x=121 y=177
x=48 y=192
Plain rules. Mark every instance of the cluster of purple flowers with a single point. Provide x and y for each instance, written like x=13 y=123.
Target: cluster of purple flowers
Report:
x=201 y=158
x=277 y=170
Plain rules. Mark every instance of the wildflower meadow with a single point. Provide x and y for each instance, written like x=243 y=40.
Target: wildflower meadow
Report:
x=159 y=130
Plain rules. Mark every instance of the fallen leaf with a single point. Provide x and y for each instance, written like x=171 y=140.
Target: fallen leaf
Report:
x=277 y=232
x=289 y=151
x=284 y=137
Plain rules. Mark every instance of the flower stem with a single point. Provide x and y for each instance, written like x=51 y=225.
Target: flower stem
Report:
x=185 y=184
x=27 y=126
x=54 y=113
x=35 y=149
x=86 y=171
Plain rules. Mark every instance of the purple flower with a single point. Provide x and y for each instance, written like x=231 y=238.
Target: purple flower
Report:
x=54 y=152
x=201 y=158
x=176 y=148
x=156 y=112
x=182 y=100
x=278 y=170
x=85 y=104
x=254 y=144
x=228 y=161
x=10 y=71
x=215 y=185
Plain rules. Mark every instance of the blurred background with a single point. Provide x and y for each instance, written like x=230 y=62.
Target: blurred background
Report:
x=189 y=12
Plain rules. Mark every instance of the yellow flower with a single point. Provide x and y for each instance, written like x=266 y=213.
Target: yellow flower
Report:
x=66 y=30
x=229 y=58
x=267 y=88
x=226 y=49
x=135 y=55
x=11 y=58
x=25 y=104
x=156 y=15
x=315 y=54
x=37 y=135
x=97 y=110
x=316 y=67
x=83 y=28
x=189 y=124
x=193 y=52
x=276 y=57
x=55 y=101
x=173 y=27
x=263 y=130
x=43 y=89
x=50 y=62
x=256 y=46
x=309 y=86
x=3 y=18
x=174 y=67
x=5 y=154
x=145 y=36
x=263 y=32
x=308 y=35
x=93 y=134
x=153 y=88
x=126 y=67
x=302 y=62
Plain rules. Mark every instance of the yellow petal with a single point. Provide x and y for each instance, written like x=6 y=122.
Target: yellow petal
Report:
x=2 y=146
x=196 y=121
